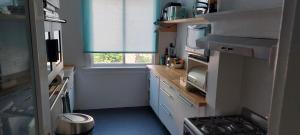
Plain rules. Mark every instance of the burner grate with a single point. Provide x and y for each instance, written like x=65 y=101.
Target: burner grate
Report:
x=227 y=125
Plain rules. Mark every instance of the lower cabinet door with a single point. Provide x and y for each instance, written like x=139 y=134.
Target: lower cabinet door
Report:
x=154 y=92
x=185 y=109
x=168 y=119
x=166 y=112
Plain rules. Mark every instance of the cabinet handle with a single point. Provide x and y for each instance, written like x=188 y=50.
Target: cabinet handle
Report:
x=169 y=95
x=167 y=85
x=182 y=99
x=164 y=107
x=154 y=75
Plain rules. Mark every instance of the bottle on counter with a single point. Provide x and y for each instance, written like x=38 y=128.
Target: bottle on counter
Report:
x=163 y=57
x=168 y=57
x=172 y=51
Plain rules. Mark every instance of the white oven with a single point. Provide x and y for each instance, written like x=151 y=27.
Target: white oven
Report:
x=57 y=101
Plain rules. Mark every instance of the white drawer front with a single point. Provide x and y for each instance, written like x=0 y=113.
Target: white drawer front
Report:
x=166 y=112
x=167 y=87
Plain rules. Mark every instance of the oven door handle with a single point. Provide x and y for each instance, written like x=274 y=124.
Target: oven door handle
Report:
x=48 y=19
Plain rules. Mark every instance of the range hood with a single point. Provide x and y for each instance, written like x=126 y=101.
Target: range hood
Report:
x=260 y=48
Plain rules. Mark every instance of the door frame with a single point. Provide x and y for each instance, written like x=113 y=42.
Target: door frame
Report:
x=285 y=108
x=36 y=15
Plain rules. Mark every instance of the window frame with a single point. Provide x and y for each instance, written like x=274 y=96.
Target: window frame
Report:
x=123 y=64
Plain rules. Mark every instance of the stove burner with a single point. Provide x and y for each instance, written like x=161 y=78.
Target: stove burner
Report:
x=226 y=125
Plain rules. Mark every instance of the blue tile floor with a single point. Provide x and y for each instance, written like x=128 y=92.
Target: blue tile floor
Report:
x=126 y=121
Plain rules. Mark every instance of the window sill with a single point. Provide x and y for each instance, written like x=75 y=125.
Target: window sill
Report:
x=116 y=67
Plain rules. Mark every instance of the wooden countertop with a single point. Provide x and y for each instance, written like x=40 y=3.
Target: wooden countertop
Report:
x=177 y=78
x=69 y=67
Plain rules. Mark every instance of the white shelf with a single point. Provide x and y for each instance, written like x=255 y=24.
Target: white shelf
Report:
x=197 y=20
x=277 y=11
x=223 y=15
x=194 y=85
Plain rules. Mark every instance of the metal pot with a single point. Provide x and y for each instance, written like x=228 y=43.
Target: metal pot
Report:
x=175 y=12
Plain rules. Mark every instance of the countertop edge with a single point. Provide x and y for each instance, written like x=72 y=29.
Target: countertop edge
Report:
x=200 y=103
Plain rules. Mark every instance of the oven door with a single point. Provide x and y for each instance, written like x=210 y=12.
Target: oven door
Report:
x=57 y=103
x=187 y=130
x=190 y=129
x=54 y=3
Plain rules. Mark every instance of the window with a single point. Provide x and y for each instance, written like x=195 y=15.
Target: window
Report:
x=122 y=58
x=120 y=31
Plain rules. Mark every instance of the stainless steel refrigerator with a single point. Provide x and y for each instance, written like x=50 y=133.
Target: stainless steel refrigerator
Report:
x=24 y=103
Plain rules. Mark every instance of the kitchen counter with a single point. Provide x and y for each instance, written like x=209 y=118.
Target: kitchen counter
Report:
x=177 y=79
x=68 y=69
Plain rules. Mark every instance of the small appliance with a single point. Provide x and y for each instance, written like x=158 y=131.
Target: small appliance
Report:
x=195 y=34
x=172 y=11
x=197 y=76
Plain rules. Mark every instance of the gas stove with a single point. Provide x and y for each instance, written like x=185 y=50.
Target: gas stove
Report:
x=223 y=125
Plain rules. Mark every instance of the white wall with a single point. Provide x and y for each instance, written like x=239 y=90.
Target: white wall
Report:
x=164 y=40
x=257 y=86
x=110 y=88
x=258 y=75
x=72 y=32
x=257 y=83
x=98 y=88
x=286 y=102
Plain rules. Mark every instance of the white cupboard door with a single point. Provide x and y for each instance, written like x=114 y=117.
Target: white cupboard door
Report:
x=154 y=92
x=185 y=109
x=166 y=112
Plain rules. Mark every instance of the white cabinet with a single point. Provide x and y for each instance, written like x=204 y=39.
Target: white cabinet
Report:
x=154 y=92
x=185 y=109
x=167 y=112
x=170 y=106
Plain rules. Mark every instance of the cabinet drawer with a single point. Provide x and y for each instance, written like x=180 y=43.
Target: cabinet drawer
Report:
x=166 y=111
x=164 y=85
x=167 y=99
x=167 y=118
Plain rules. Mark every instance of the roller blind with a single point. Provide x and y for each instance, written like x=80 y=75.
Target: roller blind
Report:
x=119 y=26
